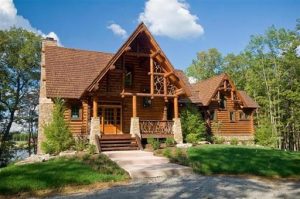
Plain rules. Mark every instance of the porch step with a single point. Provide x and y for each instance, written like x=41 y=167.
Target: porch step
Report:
x=118 y=143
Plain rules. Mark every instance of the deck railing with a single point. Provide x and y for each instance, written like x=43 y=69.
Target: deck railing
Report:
x=152 y=127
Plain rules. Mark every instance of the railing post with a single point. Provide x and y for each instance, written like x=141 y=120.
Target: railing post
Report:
x=134 y=111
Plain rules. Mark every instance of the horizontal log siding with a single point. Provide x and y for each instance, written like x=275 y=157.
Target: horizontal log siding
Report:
x=77 y=126
x=238 y=127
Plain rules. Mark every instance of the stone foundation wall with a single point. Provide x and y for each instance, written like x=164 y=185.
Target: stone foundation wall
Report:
x=95 y=129
x=177 y=130
x=135 y=127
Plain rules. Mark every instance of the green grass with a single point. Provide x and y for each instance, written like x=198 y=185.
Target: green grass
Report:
x=57 y=173
x=241 y=160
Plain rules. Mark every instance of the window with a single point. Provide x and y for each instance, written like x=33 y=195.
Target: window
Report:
x=147 y=102
x=232 y=116
x=244 y=116
x=213 y=115
x=128 y=76
x=223 y=103
x=75 y=112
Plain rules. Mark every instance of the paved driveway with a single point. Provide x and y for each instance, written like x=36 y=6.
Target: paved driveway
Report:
x=195 y=186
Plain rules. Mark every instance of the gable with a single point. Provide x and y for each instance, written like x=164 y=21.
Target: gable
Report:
x=141 y=43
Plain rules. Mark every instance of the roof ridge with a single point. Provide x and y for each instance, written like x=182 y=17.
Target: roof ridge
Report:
x=77 y=49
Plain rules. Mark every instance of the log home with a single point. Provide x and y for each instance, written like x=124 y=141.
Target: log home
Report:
x=227 y=111
x=113 y=99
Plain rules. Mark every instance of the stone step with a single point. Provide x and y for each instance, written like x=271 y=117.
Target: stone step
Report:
x=120 y=148
x=127 y=154
x=140 y=160
x=156 y=170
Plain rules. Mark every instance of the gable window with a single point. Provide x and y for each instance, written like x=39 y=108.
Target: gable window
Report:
x=128 y=76
x=232 y=116
x=244 y=115
x=223 y=102
x=213 y=115
x=75 y=112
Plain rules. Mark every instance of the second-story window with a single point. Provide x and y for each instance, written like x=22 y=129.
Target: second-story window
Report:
x=223 y=102
x=128 y=76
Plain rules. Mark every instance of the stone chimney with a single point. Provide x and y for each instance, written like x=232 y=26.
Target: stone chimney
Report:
x=45 y=104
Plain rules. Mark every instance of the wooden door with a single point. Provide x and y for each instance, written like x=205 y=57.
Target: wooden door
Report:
x=111 y=120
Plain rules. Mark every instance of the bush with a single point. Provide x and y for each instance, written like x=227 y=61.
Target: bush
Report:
x=57 y=133
x=91 y=149
x=170 y=142
x=192 y=123
x=192 y=138
x=7 y=152
x=167 y=153
x=218 y=140
x=81 y=143
x=234 y=141
x=154 y=143
x=264 y=136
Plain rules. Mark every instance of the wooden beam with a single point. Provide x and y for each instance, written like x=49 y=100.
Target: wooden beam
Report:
x=175 y=107
x=168 y=74
x=146 y=95
x=123 y=74
x=232 y=97
x=137 y=54
x=179 y=91
x=155 y=54
x=151 y=77
x=225 y=85
x=95 y=106
x=165 y=88
x=160 y=74
x=134 y=111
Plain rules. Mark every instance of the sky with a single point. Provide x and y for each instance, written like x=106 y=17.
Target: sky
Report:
x=181 y=27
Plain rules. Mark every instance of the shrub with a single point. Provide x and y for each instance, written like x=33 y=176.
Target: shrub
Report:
x=192 y=138
x=91 y=149
x=167 y=153
x=154 y=143
x=170 y=142
x=81 y=143
x=57 y=132
x=264 y=135
x=218 y=140
x=192 y=123
x=234 y=141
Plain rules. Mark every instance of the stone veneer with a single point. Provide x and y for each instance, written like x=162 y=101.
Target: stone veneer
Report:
x=177 y=130
x=135 y=127
x=45 y=104
x=95 y=129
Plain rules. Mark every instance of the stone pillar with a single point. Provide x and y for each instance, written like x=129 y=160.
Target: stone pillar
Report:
x=95 y=129
x=177 y=130
x=135 y=127
x=45 y=104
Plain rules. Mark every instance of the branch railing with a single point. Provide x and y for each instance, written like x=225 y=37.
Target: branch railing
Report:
x=156 y=127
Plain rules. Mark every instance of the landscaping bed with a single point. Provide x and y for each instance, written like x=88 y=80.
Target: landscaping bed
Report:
x=237 y=160
x=58 y=173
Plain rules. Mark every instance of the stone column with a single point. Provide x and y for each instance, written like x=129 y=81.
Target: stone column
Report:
x=95 y=129
x=177 y=130
x=135 y=127
x=45 y=104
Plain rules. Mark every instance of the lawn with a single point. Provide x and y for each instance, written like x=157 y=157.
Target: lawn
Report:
x=242 y=160
x=57 y=173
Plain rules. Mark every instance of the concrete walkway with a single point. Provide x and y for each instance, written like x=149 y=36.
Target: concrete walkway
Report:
x=142 y=164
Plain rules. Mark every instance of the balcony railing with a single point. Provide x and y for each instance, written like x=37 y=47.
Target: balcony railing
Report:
x=156 y=128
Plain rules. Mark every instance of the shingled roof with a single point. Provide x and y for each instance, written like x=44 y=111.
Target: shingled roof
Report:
x=70 y=71
x=204 y=91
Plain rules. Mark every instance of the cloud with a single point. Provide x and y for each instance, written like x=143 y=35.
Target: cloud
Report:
x=117 y=30
x=171 y=18
x=192 y=80
x=10 y=18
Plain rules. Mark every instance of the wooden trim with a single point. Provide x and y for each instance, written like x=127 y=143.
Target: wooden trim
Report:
x=175 y=107
x=134 y=111
x=137 y=54
x=95 y=106
x=146 y=95
x=151 y=77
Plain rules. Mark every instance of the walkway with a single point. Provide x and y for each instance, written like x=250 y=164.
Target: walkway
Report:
x=142 y=164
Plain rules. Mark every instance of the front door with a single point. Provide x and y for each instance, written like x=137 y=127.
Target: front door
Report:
x=110 y=119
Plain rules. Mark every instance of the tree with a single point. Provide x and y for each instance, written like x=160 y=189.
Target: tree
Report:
x=19 y=73
x=193 y=126
x=57 y=133
x=206 y=65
